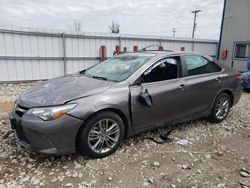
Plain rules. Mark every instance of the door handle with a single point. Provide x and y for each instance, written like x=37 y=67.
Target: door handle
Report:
x=182 y=87
x=218 y=79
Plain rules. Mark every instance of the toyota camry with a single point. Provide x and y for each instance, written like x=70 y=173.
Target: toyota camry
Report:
x=94 y=110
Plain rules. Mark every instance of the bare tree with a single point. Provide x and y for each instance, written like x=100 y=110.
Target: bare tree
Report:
x=114 y=27
x=77 y=26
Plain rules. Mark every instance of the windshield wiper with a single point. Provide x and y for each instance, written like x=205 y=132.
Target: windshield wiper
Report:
x=91 y=76
x=82 y=72
x=99 y=77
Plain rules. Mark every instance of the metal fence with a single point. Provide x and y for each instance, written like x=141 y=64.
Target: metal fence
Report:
x=29 y=54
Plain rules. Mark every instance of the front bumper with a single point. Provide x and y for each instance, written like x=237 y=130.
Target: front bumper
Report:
x=56 y=137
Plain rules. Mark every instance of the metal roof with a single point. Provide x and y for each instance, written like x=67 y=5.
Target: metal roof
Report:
x=58 y=33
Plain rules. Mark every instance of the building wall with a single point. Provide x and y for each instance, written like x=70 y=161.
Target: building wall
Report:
x=236 y=28
x=27 y=54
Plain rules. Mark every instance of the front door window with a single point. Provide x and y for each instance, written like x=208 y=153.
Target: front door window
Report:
x=165 y=69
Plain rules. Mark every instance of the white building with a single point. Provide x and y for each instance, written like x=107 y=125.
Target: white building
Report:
x=35 y=54
x=234 y=45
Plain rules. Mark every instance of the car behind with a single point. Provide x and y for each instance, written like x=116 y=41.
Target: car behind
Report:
x=246 y=81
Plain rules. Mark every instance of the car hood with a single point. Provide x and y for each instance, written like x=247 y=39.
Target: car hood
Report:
x=60 y=90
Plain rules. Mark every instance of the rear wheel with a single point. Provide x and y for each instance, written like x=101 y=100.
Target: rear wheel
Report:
x=220 y=108
x=101 y=135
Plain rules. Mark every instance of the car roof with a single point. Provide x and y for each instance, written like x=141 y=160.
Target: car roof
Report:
x=168 y=53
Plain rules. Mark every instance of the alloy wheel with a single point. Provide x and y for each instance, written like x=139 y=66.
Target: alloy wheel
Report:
x=222 y=108
x=104 y=135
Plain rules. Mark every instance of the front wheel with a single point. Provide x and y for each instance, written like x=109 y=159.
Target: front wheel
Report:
x=220 y=108
x=101 y=135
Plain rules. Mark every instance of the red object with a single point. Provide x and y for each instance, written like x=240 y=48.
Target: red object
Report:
x=135 y=48
x=103 y=53
x=117 y=49
x=182 y=48
x=125 y=49
x=161 y=48
x=239 y=77
x=224 y=54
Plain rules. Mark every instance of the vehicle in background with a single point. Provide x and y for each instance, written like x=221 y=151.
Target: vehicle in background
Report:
x=94 y=110
x=246 y=81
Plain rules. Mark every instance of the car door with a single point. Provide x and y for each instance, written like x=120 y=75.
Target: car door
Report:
x=204 y=81
x=165 y=89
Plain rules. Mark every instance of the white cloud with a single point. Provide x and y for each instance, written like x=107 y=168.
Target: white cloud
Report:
x=150 y=17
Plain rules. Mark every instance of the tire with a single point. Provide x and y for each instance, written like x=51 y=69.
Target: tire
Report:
x=222 y=103
x=101 y=135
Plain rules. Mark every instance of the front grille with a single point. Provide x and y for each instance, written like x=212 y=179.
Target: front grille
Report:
x=20 y=110
x=16 y=124
x=20 y=134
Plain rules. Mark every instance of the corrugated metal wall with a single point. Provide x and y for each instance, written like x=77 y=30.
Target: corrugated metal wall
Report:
x=27 y=54
x=236 y=29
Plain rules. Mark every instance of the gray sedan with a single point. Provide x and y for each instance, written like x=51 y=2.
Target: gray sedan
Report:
x=94 y=110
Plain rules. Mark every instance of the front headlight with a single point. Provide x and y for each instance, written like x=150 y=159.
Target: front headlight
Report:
x=51 y=113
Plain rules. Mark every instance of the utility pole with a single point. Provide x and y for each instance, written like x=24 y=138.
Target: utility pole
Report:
x=174 y=31
x=195 y=12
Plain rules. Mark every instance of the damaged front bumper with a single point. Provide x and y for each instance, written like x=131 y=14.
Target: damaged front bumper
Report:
x=56 y=137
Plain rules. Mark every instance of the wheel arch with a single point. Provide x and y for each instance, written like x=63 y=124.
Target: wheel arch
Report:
x=230 y=93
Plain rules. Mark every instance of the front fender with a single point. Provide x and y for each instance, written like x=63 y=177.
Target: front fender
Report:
x=118 y=100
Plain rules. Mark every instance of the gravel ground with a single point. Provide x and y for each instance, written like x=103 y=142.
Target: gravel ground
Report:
x=9 y=92
x=217 y=155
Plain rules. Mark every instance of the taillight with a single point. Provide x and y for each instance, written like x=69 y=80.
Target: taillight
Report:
x=239 y=77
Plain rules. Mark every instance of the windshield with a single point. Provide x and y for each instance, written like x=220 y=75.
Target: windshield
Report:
x=118 y=68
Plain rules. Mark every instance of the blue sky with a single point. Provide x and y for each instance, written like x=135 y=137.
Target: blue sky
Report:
x=148 y=17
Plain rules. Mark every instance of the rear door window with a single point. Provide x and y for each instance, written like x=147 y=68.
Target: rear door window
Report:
x=197 y=65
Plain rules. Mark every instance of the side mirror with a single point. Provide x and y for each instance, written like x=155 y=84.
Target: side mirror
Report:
x=145 y=98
